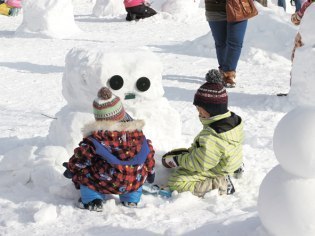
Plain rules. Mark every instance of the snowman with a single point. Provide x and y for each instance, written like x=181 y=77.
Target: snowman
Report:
x=179 y=9
x=134 y=76
x=48 y=18
x=286 y=196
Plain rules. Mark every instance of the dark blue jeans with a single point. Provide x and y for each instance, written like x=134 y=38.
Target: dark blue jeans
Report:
x=282 y=3
x=228 y=38
x=297 y=4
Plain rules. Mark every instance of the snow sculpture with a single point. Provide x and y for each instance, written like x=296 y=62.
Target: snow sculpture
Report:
x=108 y=8
x=48 y=18
x=180 y=9
x=285 y=203
x=303 y=83
x=134 y=76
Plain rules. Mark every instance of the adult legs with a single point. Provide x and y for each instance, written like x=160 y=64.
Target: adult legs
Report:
x=228 y=37
x=219 y=34
x=298 y=5
x=282 y=3
x=235 y=37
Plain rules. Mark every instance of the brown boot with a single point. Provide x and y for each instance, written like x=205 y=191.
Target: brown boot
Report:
x=229 y=79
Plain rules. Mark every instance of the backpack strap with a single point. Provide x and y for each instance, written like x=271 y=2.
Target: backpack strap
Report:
x=113 y=160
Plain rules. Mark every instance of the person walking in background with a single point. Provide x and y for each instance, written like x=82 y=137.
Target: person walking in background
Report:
x=10 y=7
x=138 y=9
x=114 y=156
x=228 y=38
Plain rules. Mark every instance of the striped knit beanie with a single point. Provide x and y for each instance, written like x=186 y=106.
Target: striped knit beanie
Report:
x=212 y=95
x=107 y=106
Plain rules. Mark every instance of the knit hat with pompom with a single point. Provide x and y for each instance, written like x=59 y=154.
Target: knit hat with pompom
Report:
x=108 y=106
x=212 y=95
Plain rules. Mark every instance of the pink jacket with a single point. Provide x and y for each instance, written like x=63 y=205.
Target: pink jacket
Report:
x=133 y=3
x=304 y=7
x=14 y=3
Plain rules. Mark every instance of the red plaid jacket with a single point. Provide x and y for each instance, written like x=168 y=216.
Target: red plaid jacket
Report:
x=124 y=140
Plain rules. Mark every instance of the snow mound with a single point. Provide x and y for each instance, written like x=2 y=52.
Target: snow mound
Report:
x=48 y=18
x=286 y=205
x=104 y=8
x=294 y=142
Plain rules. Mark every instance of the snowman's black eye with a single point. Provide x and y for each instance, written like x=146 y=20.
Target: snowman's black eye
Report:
x=116 y=82
x=143 y=84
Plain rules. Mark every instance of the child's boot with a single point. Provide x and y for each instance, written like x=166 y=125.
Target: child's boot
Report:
x=130 y=204
x=95 y=205
x=230 y=187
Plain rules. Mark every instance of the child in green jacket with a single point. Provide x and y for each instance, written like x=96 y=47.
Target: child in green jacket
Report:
x=216 y=151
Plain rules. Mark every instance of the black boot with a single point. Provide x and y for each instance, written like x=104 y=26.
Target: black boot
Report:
x=131 y=17
x=95 y=205
x=230 y=187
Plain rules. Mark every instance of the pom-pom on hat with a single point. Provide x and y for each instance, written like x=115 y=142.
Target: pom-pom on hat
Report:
x=107 y=106
x=212 y=95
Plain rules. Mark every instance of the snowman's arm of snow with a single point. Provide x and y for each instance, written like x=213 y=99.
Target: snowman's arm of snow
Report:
x=202 y=156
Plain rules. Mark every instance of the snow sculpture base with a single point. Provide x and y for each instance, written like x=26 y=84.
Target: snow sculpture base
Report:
x=286 y=204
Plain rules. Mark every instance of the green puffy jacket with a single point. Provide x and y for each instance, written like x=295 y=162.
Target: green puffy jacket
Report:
x=216 y=151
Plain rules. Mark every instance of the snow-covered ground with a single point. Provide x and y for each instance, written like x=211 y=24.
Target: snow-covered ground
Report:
x=36 y=199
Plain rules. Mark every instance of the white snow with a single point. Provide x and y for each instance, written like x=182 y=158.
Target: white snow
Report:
x=48 y=18
x=286 y=205
x=108 y=8
x=294 y=144
x=40 y=117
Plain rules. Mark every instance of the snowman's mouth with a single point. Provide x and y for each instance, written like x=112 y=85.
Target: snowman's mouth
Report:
x=130 y=96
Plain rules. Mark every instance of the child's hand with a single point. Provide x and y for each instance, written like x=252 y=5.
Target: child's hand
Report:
x=295 y=18
x=68 y=174
x=169 y=161
x=177 y=151
x=150 y=178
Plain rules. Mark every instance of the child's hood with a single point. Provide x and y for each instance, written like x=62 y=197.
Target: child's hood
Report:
x=229 y=127
x=130 y=126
